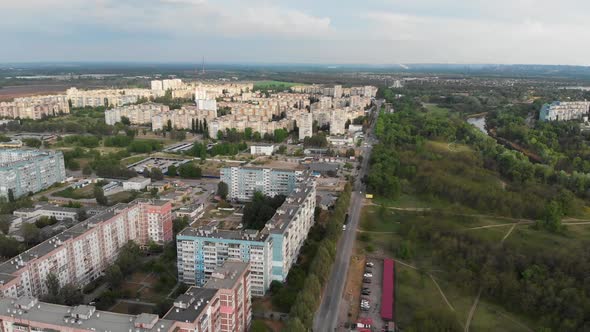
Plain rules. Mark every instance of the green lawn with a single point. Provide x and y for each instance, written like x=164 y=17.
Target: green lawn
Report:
x=416 y=291
x=433 y=108
x=81 y=193
x=274 y=85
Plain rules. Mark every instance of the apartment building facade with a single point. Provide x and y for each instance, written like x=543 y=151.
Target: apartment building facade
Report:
x=81 y=253
x=243 y=182
x=36 y=108
x=23 y=171
x=564 y=111
x=271 y=251
x=222 y=305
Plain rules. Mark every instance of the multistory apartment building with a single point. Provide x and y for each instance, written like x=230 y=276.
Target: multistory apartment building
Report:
x=222 y=305
x=137 y=114
x=110 y=97
x=25 y=171
x=81 y=253
x=337 y=91
x=34 y=108
x=183 y=118
x=271 y=251
x=243 y=182
x=337 y=122
x=564 y=111
x=305 y=125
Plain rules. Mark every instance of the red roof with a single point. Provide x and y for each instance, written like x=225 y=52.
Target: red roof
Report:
x=388 y=290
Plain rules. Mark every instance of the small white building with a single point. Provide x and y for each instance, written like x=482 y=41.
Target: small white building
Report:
x=355 y=128
x=192 y=212
x=339 y=140
x=262 y=149
x=136 y=183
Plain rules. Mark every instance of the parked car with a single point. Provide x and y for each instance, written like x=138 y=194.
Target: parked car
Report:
x=367 y=280
x=369 y=264
x=368 y=275
x=366 y=292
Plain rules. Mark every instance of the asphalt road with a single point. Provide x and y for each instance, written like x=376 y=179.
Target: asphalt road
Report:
x=326 y=318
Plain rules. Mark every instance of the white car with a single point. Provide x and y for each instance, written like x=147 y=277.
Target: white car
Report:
x=343 y=227
x=368 y=275
x=370 y=264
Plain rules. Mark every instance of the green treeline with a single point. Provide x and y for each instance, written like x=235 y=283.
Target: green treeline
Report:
x=309 y=297
x=550 y=285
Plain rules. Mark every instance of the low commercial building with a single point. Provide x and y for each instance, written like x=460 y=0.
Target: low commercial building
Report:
x=29 y=171
x=157 y=162
x=271 y=251
x=192 y=212
x=262 y=149
x=136 y=183
x=81 y=253
x=50 y=211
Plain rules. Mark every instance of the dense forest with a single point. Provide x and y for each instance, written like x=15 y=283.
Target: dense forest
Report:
x=438 y=156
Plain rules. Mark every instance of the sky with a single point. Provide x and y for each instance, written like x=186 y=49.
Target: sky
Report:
x=297 y=31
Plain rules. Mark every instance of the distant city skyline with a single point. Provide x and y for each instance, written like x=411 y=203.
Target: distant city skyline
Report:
x=304 y=32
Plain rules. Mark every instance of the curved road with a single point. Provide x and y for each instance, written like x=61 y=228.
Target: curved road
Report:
x=326 y=318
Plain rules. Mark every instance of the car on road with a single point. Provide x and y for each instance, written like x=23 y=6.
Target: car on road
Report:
x=366 y=292
x=343 y=227
x=370 y=264
x=368 y=275
x=367 y=280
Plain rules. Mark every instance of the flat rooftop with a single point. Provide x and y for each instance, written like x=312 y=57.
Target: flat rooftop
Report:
x=56 y=316
x=188 y=306
x=225 y=277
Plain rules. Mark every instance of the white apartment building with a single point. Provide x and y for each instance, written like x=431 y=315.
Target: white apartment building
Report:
x=337 y=122
x=271 y=251
x=26 y=171
x=305 y=125
x=564 y=111
x=137 y=114
x=35 y=108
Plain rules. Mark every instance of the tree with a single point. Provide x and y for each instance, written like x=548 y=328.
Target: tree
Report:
x=248 y=133
x=87 y=170
x=125 y=120
x=31 y=233
x=114 y=276
x=172 y=171
x=219 y=135
x=71 y=295
x=99 y=195
x=156 y=174
x=169 y=125
x=53 y=287
x=11 y=195
x=179 y=224
x=222 y=189
x=258 y=326
x=350 y=152
x=189 y=171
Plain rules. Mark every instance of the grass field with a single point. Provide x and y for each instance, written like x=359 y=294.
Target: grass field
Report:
x=433 y=108
x=416 y=291
x=273 y=85
x=81 y=193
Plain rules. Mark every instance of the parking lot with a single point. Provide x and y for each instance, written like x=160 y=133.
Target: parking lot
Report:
x=374 y=313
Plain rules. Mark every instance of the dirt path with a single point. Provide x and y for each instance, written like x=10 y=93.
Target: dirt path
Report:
x=472 y=311
x=508 y=234
x=442 y=294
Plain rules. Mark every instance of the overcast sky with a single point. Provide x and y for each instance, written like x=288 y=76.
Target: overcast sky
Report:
x=297 y=31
